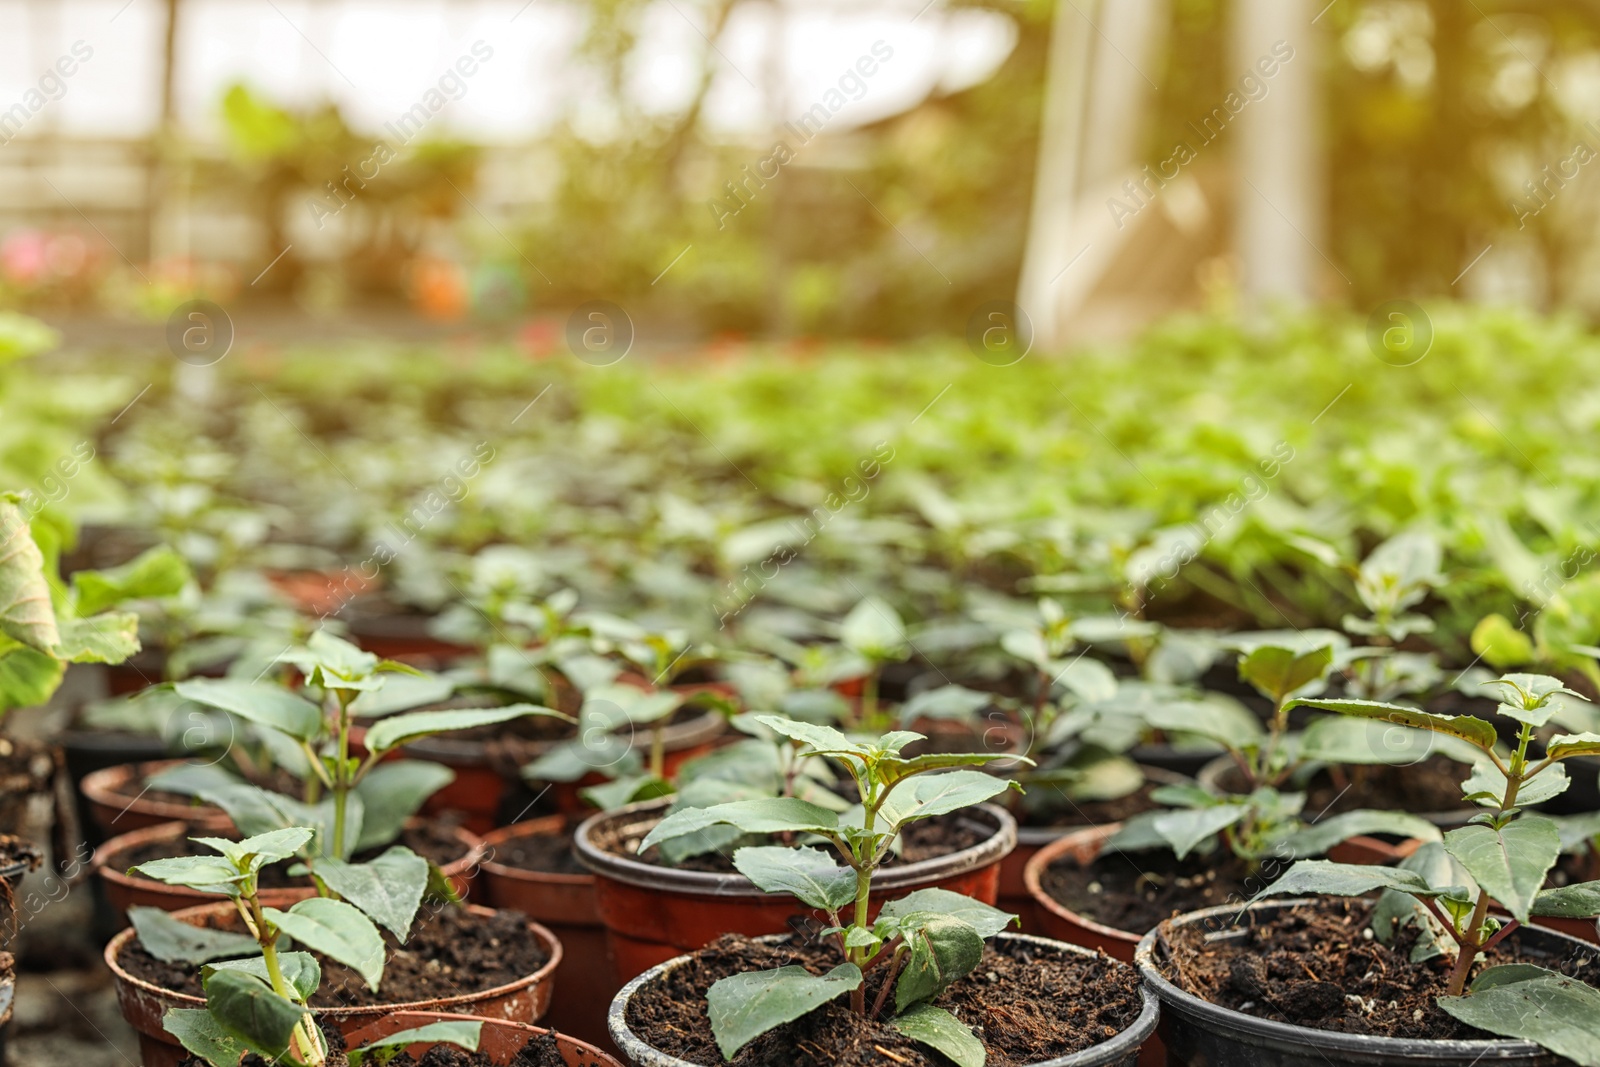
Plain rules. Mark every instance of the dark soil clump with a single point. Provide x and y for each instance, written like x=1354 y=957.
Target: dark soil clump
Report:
x=1027 y=1003
x=1315 y=966
x=543 y=853
x=542 y=1051
x=1134 y=891
x=450 y=953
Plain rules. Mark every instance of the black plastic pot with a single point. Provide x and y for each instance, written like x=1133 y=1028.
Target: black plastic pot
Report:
x=1200 y=1032
x=1121 y=1050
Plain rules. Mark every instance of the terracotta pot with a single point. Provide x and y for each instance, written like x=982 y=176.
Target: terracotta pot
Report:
x=499 y=1040
x=1121 y=1050
x=482 y=776
x=1083 y=846
x=124 y=890
x=1014 y=895
x=144 y=1004
x=1215 y=777
x=654 y=913
x=116 y=806
x=566 y=904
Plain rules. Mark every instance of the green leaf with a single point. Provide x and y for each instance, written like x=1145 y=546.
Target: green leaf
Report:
x=1345 y=880
x=1556 y=1012
x=818 y=739
x=981 y=917
x=1501 y=644
x=259 y=702
x=940 y=1030
x=253 y=853
x=336 y=930
x=398 y=730
x=154 y=573
x=300 y=969
x=1345 y=739
x=27 y=678
x=212 y=874
x=402 y=692
x=945 y=702
x=1183 y=830
x=939 y=794
x=943 y=950
x=742 y=1007
x=204 y=1036
x=1509 y=863
x=1581 y=900
x=1472 y=730
x=1226 y=722
x=1087 y=679
x=638 y=706
x=388 y=889
x=462 y=1034
x=1566 y=745
x=391 y=793
x=251 y=1013
x=26 y=614
x=1279 y=672
x=807 y=873
x=769 y=815
x=875 y=630
x=1487 y=785
x=172 y=941
x=108 y=638
x=623 y=791
x=1317 y=839
x=1532 y=698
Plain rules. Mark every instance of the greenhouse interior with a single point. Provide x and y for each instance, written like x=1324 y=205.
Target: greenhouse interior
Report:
x=799 y=533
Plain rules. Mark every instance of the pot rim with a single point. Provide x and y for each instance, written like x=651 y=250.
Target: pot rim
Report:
x=677 y=736
x=532 y=828
x=99 y=787
x=1209 y=775
x=1110 y=1051
x=1033 y=880
x=1040 y=836
x=103 y=856
x=401 y=1019
x=635 y=872
x=173 y=998
x=1445 y=1050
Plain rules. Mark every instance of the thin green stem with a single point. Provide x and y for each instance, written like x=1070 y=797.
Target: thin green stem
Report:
x=869 y=697
x=341 y=782
x=1473 y=942
x=658 y=750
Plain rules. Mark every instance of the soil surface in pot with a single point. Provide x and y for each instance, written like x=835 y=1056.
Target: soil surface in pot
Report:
x=542 y=1051
x=1030 y=1004
x=450 y=952
x=544 y=853
x=924 y=840
x=1315 y=966
x=1432 y=785
x=433 y=840
x=1134 y=891
x=1094 y=812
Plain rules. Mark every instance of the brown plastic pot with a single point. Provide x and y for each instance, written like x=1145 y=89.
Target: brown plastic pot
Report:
x=483 y=774
x=653 y=914
x=145 y=1004
x=499 y=1040
x=1058 y=921
x=117 y=807
x=566 y=904
x=124 y=890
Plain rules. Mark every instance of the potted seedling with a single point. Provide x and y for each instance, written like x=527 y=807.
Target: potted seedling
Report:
x=1103 y=887
x=1468 y=979
x=897 y=970
x=359 y=800
x=260 y=992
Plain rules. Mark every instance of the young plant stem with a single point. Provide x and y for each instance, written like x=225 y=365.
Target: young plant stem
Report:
x=895 y=964
x=658 y=750
x=1473 y=943
x=869 y=697
x=341 y=786
x=303 y=1043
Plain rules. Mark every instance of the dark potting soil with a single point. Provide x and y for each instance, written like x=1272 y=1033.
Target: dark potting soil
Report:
x=432 y=840
x=1134 y=891
x=1026 y=1004
x=925 y=840
x=15 y=850
x=543 y=853
x=1317 y=966
x=1432 y=785
x=542 y=1051
x=450 y=952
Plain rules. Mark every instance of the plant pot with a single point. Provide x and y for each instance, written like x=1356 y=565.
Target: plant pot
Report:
x=566 y=904
x=144 y=1004
x=124 y=890
x=483 y=776
x=1060 y=922
x=654 y=913
x=499 y=1040
x=1119 y=1051
x=1197 y=1031
x=89 y=751
x=1187 y=762
x=1214 y=778
x=1014 y=895
x=116 y=806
